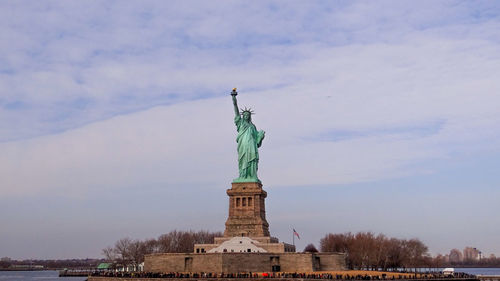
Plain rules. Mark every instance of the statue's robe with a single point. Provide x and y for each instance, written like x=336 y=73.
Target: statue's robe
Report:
x=248 y=139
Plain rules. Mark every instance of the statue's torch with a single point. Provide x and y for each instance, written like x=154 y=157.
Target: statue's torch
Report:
x=234 y=93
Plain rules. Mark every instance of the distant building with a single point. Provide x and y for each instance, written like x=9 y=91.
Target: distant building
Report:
x=27 y=266
x=471 y=254
x=6 y=259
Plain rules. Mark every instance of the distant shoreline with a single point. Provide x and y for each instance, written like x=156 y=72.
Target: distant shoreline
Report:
x=409 y=270
x=25 y=269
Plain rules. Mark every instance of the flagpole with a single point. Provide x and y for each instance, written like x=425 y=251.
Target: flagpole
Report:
x=293 y=238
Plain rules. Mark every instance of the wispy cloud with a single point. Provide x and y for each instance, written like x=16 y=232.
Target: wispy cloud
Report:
x=371 y=89
x=395 y=67
x=119 y=58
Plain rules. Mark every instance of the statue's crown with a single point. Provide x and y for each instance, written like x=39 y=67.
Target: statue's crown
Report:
x=249 y=110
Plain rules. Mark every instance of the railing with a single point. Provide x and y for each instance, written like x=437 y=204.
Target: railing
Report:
x=281 y=276
x=75 y=272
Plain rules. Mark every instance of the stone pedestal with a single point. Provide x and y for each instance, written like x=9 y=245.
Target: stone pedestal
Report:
x=246 y=245
x=247 y=211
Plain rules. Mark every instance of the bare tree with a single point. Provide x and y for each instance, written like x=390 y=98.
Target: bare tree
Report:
x=310 y=248
x=417 y=252
x=382 y=251
x=122 y=250
x=151 y=246
x=131 y=252
x=395 y=253
x=110 y=254
x=336 y=242
x=364 y=250
x=183 y=241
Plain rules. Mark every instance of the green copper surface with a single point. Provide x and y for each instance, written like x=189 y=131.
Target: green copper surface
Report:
x=249 y=140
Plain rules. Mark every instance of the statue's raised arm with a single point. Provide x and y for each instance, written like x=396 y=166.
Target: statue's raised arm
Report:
x=249 y=140
x=235 y=102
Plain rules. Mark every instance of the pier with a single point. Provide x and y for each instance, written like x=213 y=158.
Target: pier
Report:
x=75 y=273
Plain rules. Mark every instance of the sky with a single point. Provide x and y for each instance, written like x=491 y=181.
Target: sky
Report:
x=116 y=120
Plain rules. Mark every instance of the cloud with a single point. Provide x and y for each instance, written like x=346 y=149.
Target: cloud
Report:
x=411 y=104
x=71 y=64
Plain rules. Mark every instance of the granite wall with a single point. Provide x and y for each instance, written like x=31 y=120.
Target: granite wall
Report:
x=244 y=262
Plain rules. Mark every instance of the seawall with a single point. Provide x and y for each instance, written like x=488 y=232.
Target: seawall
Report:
x=94 y=278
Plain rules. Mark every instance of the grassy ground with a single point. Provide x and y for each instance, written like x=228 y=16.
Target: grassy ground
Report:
x=371 y=273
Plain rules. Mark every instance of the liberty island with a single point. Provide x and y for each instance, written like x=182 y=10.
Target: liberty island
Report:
x=246 y=248
x=247 y=245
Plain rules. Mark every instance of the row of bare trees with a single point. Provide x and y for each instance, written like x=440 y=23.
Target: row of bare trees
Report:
x=365 y=250
x=127 y=251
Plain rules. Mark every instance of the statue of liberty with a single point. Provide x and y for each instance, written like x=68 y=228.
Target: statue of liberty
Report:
x=249 y=140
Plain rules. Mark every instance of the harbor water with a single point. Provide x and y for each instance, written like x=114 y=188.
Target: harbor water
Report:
x=45 y=275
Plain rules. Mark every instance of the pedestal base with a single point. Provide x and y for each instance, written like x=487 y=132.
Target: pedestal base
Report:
x=247 y=211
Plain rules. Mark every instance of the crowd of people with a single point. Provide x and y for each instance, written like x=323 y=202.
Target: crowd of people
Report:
x=282 y=275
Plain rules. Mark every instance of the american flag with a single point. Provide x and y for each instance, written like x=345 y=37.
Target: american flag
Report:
x=296 y=233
